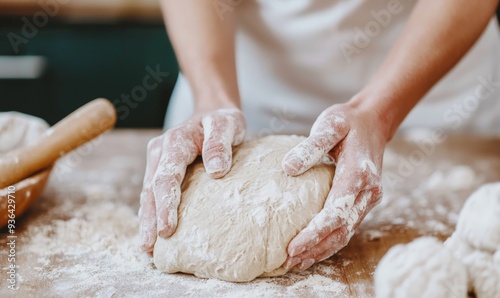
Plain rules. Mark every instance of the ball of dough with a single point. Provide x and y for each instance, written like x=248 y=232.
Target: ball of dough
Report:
x=422 y=268
x=18 y=130
x=458 y=246
x=483 y=268
x=479 y=221
x=484 y=274
x=237 y=228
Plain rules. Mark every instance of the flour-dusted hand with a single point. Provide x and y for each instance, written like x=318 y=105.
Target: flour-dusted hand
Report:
x=212 y=136
x=352 y=138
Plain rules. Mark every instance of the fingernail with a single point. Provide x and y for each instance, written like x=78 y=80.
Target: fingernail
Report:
x=145 y=245
x=163 y=233
x=306 y=264
x=164 y=230
x=289 y=165
x=215 y=165
x=291 y=263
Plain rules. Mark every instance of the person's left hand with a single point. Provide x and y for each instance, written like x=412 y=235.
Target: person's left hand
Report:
x=355 y=140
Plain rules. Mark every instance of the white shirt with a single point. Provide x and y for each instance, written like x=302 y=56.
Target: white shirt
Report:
x=295 y=58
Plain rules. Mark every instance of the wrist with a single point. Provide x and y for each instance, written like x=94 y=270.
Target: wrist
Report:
x=214 y=88
x=211 y=102
x=371 y=108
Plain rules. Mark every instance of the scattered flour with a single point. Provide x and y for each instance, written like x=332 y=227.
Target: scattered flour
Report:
x=449 y=189
x=81 y=239
x=373 y=235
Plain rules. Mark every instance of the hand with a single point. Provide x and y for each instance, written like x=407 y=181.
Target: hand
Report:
x=211 y=135
x=355 y=140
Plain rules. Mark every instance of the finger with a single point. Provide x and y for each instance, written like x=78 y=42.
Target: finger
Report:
x=147 y=218
x=322 y=225
x=329 y=246
x=181 y=146
x=328 y=130
x=348 y=182
x=222 y=129
x=334 y=242
x=354 y=173
x=328 y=242
x=334 y=249
x=147 y=210
x=327 y=254
x=341 y=198
x=338 y=239
x=306 y=264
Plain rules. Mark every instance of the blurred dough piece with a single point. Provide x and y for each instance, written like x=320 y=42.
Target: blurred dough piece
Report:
x=422 y=268
x=479 y=220
x=476 y=242
x=238 y=228
x=19 y=130
x=484 y=274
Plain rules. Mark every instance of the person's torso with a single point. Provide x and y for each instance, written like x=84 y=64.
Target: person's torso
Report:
x=295 y=58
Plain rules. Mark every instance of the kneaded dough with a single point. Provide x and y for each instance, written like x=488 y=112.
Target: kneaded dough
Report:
x=422 y=268
x=483 y=268
x=479 y=220
x=476 y=242
x=18 y=130
x=237 y=228
x=484 y=274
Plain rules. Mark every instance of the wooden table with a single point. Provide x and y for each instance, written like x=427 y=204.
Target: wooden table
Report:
x=80 y=238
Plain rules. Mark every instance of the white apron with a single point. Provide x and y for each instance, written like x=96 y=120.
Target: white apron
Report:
x=295 y=58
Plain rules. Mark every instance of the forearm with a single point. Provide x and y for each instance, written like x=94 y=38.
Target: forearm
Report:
x=437 y=35
x=204 y=46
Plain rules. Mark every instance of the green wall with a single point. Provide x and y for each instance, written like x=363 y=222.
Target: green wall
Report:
x=87 y=61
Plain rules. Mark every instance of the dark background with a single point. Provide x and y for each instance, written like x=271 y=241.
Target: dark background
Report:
x=87 y=61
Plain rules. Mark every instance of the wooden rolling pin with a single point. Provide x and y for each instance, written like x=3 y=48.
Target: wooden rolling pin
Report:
x=79 y=127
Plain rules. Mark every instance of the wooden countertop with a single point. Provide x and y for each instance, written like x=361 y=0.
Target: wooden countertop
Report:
x=79 y=239
x=92 y=10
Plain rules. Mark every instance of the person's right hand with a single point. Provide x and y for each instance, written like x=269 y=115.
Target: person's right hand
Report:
x=212 y=135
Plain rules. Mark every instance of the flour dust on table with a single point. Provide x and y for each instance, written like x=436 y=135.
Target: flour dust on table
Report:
x=237 y=228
